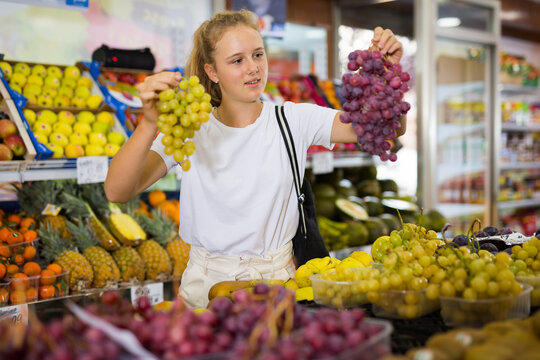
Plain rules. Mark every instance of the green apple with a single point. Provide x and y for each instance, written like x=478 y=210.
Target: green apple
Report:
x=73 y=150
x=42 y=138
x=94 y=101
x=18 y=79
x=50 y=91
x=52 y=82
x=58 y=151
x=66 y=117
x=61 y=101
x=35 y=79
x=22 y=68
x=111 y=149
x=97 y=139
x=54 y=71
x=78 y=138
x=106 y=117
x=86 y=117
x=58 y=139
x=72 y=72
x=100 y=127
x=39 y=70
x=84 y=81
x=31 y=98
x=30 y=116
x=78 y=102
x=47 y=116
x=41 y=127
x=45 y=101
x=62 y=128
x=94 y=150
x=15 y=87
x=65 y=91
x=69 y=82
x=81 y=127
x=6 y=69
x=82 y=91
x=33 y=89
x=114 y=137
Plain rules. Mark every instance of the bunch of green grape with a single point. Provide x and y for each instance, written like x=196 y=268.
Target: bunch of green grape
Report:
x=182 y=112
x=526 y=258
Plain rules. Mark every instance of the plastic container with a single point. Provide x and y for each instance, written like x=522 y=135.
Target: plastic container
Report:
x=374 y=348
x=476 y=313
x=339 y=294
x=534 y=281
x=23 y=290
x=404 y=304
x=54 y=286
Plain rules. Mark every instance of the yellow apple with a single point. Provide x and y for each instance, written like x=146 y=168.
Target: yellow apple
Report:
x=78 y=138
x=106 y=117
x=73 y=150
x=97 y=138
x=62 y=128
x=72 y=72
x=21 y=68
x=32 y=89
x=86 y=117
x=47 y=116
x=35 y=79
x=39 y=70
x=66 y=117
x=15 y=87
x=52 y=82
x=61 y=101
x=42 y=138
x=100 y=127
x=94 y=150
x=41 y=127
x=94 y=101
x=58 y=151
x=66 y=91
x=6 y=69
x=69 y=82
x=18 y=79
x=82 y=128
x=32 y=99
x=78 y=102
x=82 y=91
x=84 y=81
x=111 y=149
x=45 y=101
x=30 y=116
x=58 y=139
x=50 y=91
x=115 y=137
x=54 y=71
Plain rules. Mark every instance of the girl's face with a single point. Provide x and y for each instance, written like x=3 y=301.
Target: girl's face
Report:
x=241 y=64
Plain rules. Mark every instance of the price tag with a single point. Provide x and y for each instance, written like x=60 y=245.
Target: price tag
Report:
x=322 y=162
x=153 y=291
x=51 y=209
x=18 y=314
x=92 y=169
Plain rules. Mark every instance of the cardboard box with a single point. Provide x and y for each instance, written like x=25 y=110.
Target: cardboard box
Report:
x=454 y=70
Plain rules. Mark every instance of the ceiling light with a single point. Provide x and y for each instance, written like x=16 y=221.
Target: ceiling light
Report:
x=448 y=22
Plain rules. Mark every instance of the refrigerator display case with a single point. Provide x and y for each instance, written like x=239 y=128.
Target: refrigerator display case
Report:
x=459 y=117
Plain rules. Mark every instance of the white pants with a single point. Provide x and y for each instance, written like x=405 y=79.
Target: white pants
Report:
x=204 y=270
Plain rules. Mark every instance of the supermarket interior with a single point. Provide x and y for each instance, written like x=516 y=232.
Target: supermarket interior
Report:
x=429 y=221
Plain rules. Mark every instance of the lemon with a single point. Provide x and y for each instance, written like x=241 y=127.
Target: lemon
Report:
x=363 y=257
x=290 y=284
x=163 y=306
x=302 y=274
x=349 y=263
x=305 y=293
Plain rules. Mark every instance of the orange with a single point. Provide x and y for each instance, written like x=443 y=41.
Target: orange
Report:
x=30 y=236
x=28 y=223
x=17 y=297
x=4 y=296
x=48 y=277
x=3 y=270
x=29 y=253
x=46 y=292
x=57 y=269
x=19 y=259
x=19 y=281
x=5 y=251
x=4 y=233
x=12 y=269
x=155 y=197
x=31 y=269
x=31 y=294
x=15 y=238
x=13 y=220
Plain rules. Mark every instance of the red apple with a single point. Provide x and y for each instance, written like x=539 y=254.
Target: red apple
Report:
x=109 y=75
x=16 y=144
x=7 y=127
x=5 y=153
x=127 y=78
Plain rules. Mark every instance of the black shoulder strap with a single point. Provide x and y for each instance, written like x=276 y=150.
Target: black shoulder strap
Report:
x=289 y=143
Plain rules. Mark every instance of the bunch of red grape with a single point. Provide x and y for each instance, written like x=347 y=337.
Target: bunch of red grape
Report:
x=374 y=101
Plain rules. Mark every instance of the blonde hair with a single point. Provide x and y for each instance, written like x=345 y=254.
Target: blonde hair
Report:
x=204 y=46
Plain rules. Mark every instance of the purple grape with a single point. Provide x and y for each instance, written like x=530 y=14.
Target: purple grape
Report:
x=345 y=117
x=353 y=55
x=355 y=80
x=490 y=230
x=405 y=76
x=353 y=66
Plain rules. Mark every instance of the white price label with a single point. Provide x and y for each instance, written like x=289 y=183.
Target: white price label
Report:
x=153 y=291
x=18 y=314
x=322 y=162
x=92 y=169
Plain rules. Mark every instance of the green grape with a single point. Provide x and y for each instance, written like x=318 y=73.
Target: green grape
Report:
x=166 y=128
x=189 y=133
x=205 y=106
x=173 y=104
x=193 y=80
x=206 y=98
x=406 y=273
x=373 y=285
x=197 y=125
x=195 y=106
x=178 y=155
x=190 y=97
x=198 y=91
x=193 y=118
x=425 y=261
x=184 y=84
x=189 y=148
x=479 y=284
x=177 y=131
x=438 y=276
x=432 y=291
x=162 y=118
x=443 y=261
x=477 y=265
x=460 y=273
x=166 y=95
x=532 y=251
x=418 y=283
x=492 y=289
x=470 y=294
x=460 y=285
x=395 y=281
x=178 y=142
x=184 y=120
x=169 y=150
x=411 y=298
x=172 y=119
x=186 y=165
x=520 y=265
x=447 y=289
x=179 y=111
x=163 y=107
x=492 y=270
x=384 y=283
x=395 y=239
x=184 y=103
x=167 y=140
x=418 y=251
x=522 y=254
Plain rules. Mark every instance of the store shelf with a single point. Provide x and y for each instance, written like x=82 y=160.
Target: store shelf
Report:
x=457 y=210
x=518 y=90
x=521 y=128
x=520 y=166
x=448 y=131
x=519 y=204
x=347 y=159
x=450 y=171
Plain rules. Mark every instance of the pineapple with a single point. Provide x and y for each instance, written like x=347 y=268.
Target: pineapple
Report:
x=156 y=260
x=76 y=208
x=130 y=263
x=106 y=272
x=67 y=256
x=163 y=231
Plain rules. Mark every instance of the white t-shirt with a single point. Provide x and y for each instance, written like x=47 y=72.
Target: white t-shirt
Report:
x=238 y=198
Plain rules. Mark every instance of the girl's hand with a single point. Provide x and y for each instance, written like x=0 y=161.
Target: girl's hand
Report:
x=149 y=91
x=387 y=43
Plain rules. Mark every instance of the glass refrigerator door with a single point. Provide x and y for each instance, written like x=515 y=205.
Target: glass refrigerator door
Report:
x=461 y=166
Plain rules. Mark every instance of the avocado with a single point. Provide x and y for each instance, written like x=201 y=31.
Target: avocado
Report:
x=368 y=188
x=323 y=191
x=325 y=207
x=358 y=234
x=367 y=172
x=432 y=220
x=351 y=210
x=373 y=205
x=391 y=221
x=376 y=228
x=388 y=185
x=345 y=188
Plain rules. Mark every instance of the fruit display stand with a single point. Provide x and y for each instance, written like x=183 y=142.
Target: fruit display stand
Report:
x=8 y=107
